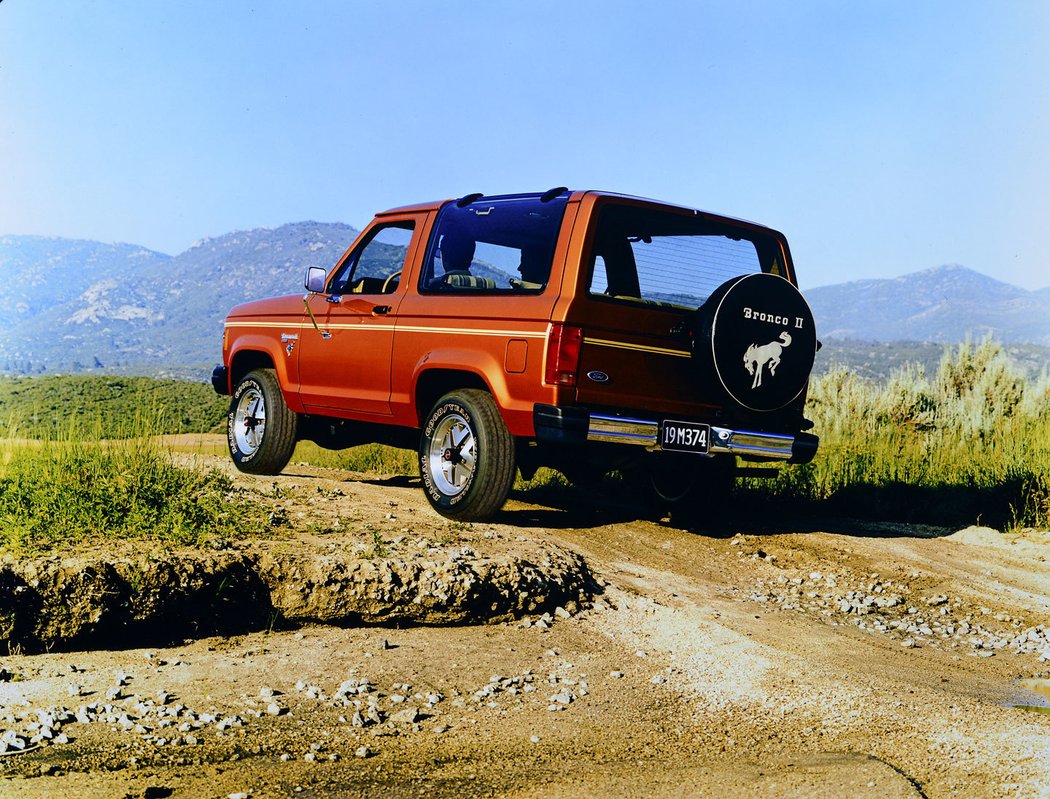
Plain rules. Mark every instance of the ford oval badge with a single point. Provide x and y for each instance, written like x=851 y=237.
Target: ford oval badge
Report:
x=598 y=377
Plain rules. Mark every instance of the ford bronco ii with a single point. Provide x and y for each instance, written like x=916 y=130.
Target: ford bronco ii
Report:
x=580 y=330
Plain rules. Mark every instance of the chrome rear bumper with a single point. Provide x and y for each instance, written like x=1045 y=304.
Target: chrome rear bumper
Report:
x=746 y=443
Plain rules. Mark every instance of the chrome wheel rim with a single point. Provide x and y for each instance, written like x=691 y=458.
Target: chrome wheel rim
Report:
x=249 y=421
x=452 y=455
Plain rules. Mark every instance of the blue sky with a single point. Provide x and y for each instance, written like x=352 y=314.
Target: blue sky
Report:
x=881 y=137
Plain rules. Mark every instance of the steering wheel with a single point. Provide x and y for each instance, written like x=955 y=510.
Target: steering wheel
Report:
x=389 y=280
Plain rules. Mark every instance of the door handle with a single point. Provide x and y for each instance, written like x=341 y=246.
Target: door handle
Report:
x=380 y=310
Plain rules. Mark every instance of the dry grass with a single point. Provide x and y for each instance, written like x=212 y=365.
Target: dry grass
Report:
x=969 y=444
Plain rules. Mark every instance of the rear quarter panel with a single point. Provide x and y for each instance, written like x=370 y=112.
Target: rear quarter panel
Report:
x=505 y=351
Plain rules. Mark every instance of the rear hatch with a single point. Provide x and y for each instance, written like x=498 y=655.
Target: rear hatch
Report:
x=646 y=271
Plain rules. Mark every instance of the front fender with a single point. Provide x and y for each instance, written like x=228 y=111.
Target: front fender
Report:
x=252 y=348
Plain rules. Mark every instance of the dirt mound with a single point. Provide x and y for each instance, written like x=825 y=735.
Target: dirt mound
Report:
x=149 y=598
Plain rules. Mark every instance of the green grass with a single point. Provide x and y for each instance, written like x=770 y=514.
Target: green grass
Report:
x=68 y=490
x=968 y=444
x=73 y=406
x=372 y=458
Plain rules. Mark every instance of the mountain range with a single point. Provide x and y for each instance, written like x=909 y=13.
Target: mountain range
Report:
x=84 y=306
x=945 y=304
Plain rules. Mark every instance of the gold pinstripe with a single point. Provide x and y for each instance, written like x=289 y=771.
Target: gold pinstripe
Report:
x=466 y=331
x=263 y=324
x=460 y=331
x=622 y=345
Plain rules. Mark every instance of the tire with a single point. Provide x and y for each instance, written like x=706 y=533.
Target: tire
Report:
x=689 y=488
x=260 y=428
x=466 y=456
x=754 y=342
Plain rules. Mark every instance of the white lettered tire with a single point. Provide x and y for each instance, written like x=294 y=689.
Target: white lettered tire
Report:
x=260 y=428
x=466 y=456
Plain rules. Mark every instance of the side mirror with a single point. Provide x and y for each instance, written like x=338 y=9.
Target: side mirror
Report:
x=315 y=277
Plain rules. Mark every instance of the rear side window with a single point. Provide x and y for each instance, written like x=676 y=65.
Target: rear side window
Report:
x=495 y=245
x=662 y=258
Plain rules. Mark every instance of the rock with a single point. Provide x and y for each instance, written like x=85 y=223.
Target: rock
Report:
x=363 y=752
x=408 y=715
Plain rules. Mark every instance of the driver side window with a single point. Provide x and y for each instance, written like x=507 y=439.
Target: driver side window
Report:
x=374 y=265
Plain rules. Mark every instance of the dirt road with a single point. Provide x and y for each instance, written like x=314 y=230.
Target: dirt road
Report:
x=829 y=660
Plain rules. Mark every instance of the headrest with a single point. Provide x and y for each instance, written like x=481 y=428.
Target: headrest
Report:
x=457 y=253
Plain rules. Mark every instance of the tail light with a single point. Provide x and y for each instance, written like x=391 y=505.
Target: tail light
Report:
x=563 y=354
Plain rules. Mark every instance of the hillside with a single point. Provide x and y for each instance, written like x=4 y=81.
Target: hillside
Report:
x=94 y=406
x=877 y=360
x=944 y=305
x=117 y=308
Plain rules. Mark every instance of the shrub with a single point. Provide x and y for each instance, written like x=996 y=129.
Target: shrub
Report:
x=972 y=445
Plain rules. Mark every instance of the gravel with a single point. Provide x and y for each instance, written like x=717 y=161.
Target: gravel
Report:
x=894 y=607
x=163 y=722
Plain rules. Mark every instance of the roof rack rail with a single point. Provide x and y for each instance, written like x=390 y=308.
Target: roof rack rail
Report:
x=466 y=200
x=550 y=194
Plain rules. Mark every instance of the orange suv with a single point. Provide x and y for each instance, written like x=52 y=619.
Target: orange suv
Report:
x=581 y=330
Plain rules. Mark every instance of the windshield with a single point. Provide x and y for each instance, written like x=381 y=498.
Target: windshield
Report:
x=657 y=257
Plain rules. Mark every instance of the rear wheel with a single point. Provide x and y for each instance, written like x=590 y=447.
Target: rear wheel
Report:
x=466 y=456
x=260 y=428
x=690 y=489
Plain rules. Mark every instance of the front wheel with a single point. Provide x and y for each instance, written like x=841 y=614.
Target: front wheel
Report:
x=260 y=428
x=466 y=456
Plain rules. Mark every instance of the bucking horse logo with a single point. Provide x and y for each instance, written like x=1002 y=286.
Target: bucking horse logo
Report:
x=757 y=358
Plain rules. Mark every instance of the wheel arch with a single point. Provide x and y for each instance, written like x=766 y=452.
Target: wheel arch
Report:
x=244 y=361
x=432 y=384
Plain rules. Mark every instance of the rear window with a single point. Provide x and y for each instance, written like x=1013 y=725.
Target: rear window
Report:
x=661 y=258
x=495 y=245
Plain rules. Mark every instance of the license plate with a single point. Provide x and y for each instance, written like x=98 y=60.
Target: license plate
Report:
x=685 y=436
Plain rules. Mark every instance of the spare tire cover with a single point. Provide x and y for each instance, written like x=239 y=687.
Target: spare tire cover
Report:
x=758 y=334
